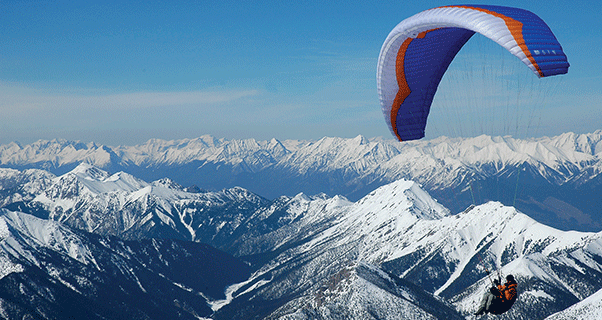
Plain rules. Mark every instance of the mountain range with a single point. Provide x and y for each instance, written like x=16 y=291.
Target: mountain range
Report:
x=395 y=253
x=50 y=271
x=555 y=180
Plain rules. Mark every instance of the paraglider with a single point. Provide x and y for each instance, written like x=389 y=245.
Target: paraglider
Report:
x=499 y=298
x=418 y=51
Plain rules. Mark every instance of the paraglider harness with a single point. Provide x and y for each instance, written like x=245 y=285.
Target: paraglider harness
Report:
x=505 y=295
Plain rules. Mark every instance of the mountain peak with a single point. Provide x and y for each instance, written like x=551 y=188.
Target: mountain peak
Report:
x=404 y=194
x=89 y=172
x=167 y=183
x=360 y=140
x=100 y=181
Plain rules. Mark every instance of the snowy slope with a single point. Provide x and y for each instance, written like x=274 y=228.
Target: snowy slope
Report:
x=402 y=231
x=443 y=254
x=364 y=291
x=18 y=186
x=52 y=272
x=91 y=199
x=588 y=309
x=316 y=257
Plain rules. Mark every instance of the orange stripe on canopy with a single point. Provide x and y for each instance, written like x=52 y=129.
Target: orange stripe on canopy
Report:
x=404 y=90
x=516 y=29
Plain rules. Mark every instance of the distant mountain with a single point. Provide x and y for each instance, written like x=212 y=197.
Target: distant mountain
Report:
x=48 y=271
x=555 y=180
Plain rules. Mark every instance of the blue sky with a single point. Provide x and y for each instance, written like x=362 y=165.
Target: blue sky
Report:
x=123 y=72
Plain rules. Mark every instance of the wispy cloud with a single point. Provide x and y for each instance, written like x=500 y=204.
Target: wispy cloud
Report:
x=16 y=99
x=28 y=114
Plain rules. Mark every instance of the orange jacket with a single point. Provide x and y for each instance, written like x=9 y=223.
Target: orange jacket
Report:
x=506 y=298
x=507 y=291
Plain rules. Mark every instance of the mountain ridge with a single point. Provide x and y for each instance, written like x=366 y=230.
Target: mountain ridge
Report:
x=313 y=257
x=445 y=255
x=579 y=149
x=51 y=271
x=542 y=176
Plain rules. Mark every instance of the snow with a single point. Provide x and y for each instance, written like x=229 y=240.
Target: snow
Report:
x=56 y=274
x=94 y=200
x=6 y=266
x=4 y=233
x=35 y=232
x=232 y=289
x=589 y=308
x=392 y=222
x=98 y=181
x=438 y=162
x=539 y=294
x=354 y=297
x=400 y=219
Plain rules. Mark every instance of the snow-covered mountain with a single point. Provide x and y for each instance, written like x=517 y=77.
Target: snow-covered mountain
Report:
x=555 y=180
x=589 y=308
x=22 y=186
x=120 y=204
x=397 y=251
x=49 y=271
x=399 y=233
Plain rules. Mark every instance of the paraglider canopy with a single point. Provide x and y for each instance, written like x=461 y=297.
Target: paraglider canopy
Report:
x=418 y=51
